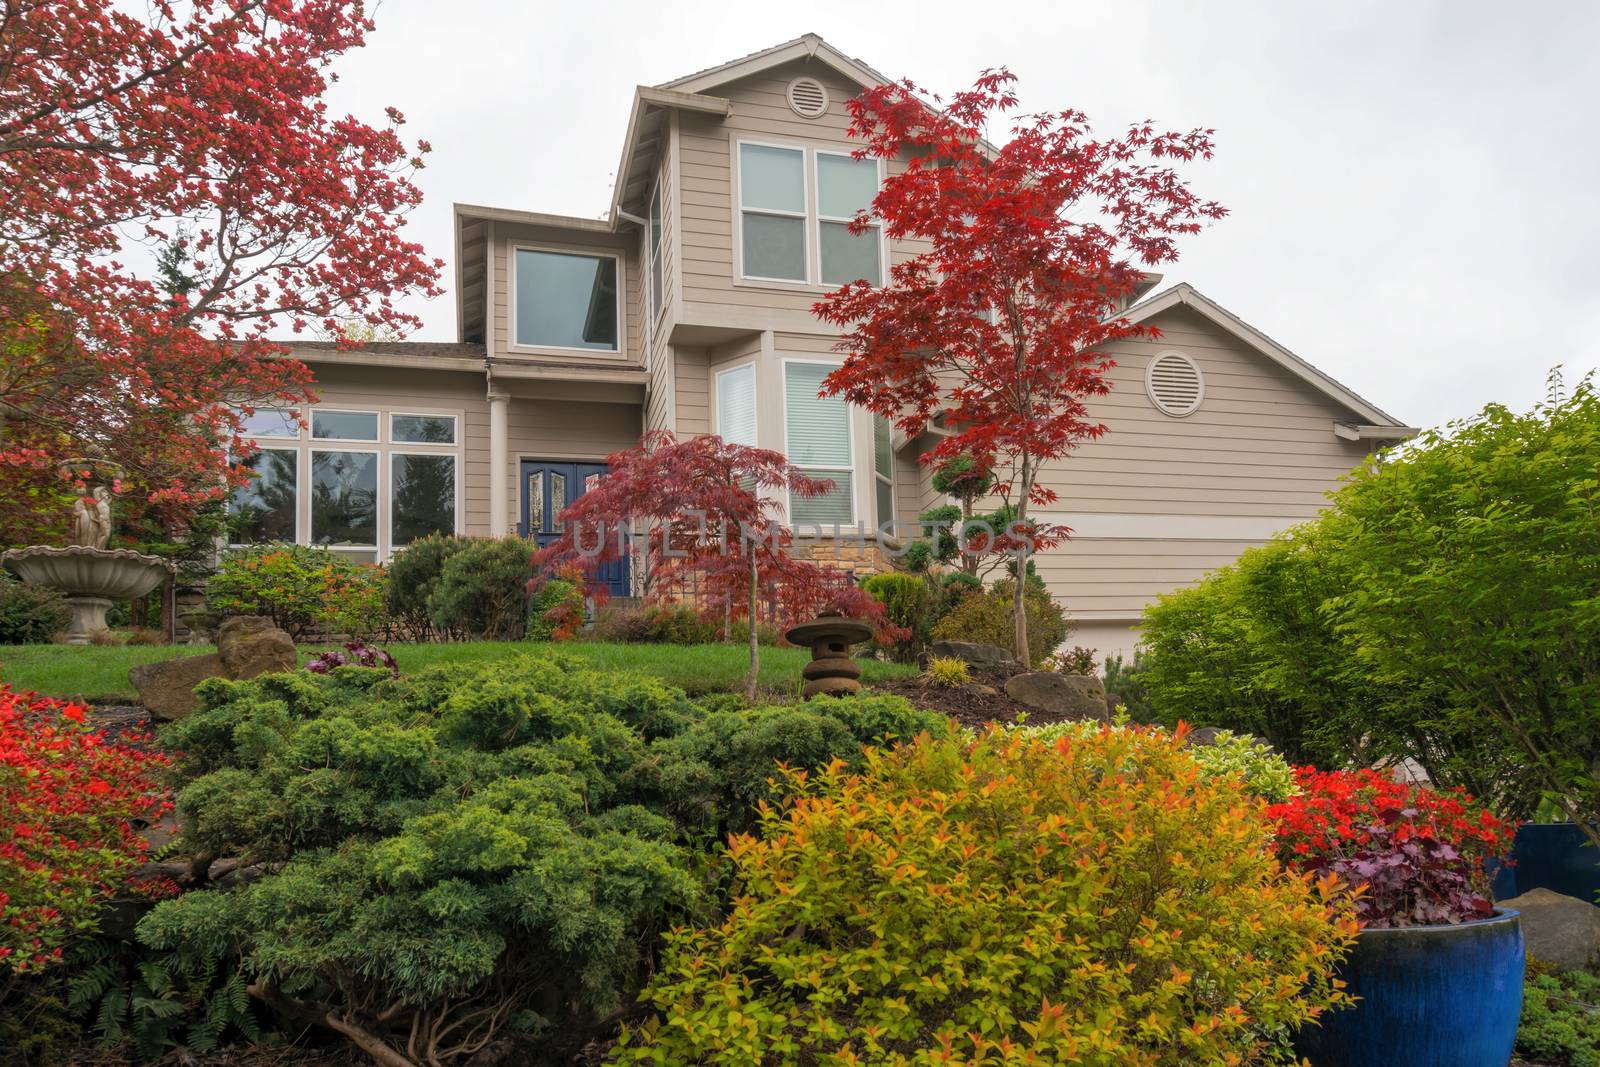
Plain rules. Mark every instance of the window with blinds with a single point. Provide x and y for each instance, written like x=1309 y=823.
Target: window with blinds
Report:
x=736 y=405
x=883 y=467
x=817 y=430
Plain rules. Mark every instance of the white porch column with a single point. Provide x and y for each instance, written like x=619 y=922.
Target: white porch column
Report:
x=499 y=466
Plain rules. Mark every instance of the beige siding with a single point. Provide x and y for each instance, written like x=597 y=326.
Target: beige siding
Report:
x=564 y=429
x=692 y=386
x=658 y=406
x=626 y=244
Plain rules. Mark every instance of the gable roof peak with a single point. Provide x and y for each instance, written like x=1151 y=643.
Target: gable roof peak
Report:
x=806 y=46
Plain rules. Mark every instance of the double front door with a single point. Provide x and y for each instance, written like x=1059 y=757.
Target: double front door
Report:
x=547 y=488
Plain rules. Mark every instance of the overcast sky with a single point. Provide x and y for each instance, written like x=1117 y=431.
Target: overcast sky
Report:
x=1413 y=186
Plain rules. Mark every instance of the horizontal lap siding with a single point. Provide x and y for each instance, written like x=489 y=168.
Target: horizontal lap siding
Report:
x=392 y=389
x=1260 y=446
x=693 y=390
x=564 y=429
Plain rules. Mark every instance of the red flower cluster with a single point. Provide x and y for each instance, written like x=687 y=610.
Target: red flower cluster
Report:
x=71 y=801
x=1416 y=854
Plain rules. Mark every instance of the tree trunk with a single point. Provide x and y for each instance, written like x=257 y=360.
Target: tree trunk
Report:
x=755 y=644
x=1019 y=599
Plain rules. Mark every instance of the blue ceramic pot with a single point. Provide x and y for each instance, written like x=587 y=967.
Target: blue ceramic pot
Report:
x=1559 y=857
x=1431 y=996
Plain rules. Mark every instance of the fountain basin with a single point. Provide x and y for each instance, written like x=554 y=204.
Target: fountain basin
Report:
x=91 y=578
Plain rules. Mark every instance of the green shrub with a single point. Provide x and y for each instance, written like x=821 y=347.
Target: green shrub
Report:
x=1561 y=1019
x=300 y=588
x=905 y=601
x=1125 y=681
x=551 y=594
x=413 y=576
x=512 y=836
x=948 y=672
x=1265 y=774
x=1001 y=902
x=482 y=591
x=985 y=617
x=30 y=614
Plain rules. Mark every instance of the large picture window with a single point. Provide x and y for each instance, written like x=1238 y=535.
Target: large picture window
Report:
x=566 y=300
x=817 y=432
x=362 y=500
x=794 y=199
x=266 y=507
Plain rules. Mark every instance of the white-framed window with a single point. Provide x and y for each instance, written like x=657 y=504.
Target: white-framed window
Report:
x=846 y=185
x=883 y=467
x=566 y=299
x=653 y=254
x=361 y=483
x=795 y=204
x=280 y=423
x=817 y=440
x=736 y=405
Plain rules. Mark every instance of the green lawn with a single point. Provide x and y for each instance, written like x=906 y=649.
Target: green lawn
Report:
x=95 y=672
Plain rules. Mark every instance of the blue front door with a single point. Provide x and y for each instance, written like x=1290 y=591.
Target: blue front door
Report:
x=547 y=488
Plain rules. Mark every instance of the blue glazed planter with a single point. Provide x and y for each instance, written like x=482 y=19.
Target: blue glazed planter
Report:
x=1431 y=996
x=1558 y=857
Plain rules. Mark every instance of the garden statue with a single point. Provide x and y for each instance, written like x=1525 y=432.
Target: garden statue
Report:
x=831 y=669
x=91 y=519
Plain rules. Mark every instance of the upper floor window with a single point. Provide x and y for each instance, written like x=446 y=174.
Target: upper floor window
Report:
x=794 y=200
x=566 y=300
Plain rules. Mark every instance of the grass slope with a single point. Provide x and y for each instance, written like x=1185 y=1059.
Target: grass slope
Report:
x=97 y=672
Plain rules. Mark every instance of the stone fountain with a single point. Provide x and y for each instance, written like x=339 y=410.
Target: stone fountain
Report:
x=91 y=575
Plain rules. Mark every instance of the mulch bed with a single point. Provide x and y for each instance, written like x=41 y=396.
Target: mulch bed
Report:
x=232 y=1056
x=974 y=705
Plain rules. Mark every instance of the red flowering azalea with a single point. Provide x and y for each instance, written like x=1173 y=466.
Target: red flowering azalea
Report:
x=1417 y=855
x=71 y=805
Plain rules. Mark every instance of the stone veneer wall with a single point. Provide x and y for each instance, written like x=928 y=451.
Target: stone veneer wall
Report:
x=849 y=554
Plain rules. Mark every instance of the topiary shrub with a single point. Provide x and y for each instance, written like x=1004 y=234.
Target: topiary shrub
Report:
x=984 y=616
x=482 y=591
x=413 y=576
x=1003 y=901
x=300 y=588
x=905 y=601
x=30 y=614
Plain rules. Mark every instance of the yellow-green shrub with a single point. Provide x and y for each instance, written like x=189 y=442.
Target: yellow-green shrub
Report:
x=1003 y=901
x=948 y=672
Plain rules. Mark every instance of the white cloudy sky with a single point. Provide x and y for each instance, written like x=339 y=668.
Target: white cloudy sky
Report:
x=1413 y=185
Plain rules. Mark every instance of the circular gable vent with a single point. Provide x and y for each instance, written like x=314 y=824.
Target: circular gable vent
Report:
x=1174 y=384
x=808 y=97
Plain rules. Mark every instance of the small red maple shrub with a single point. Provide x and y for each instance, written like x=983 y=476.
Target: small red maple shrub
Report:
x=70 y=799
x=1418 y=853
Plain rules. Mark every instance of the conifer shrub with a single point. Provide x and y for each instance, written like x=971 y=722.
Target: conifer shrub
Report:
x=474 y=850
x=30 y=614
x=1003 y=901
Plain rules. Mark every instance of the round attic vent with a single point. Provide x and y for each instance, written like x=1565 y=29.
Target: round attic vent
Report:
x=808 y=97
x=1174 y=384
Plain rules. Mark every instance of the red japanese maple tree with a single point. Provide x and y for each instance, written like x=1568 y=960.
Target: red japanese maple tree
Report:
x=199 y=131
x=709 y=530
x=1024 y=254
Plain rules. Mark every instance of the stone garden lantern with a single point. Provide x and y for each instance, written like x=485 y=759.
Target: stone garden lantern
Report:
x=831 y=669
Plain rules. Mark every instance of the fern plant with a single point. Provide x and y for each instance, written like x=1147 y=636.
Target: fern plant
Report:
x=160 y=1000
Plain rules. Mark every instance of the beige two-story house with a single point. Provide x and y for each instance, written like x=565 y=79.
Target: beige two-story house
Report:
x=687 y=308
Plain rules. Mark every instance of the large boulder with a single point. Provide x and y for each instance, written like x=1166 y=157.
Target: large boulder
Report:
x=246 y=646
x=1561 y=931
x=1064 y=696
x=250 y=645
x=166 y=688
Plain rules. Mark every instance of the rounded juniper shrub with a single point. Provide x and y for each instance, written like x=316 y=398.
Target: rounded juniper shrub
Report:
x=1003 y=901
x=29 y=614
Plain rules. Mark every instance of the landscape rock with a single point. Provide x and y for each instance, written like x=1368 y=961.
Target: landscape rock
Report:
x=1561 y=931
x=246 y=646
x=1070 y=696
x=250 y=645
x=973 y=653
x=167 y=688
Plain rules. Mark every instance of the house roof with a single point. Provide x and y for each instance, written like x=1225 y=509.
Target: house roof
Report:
x=1380 y=423
x=806 y=46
